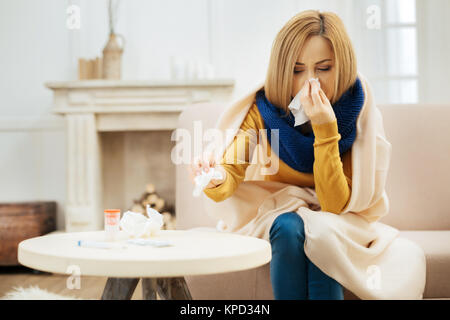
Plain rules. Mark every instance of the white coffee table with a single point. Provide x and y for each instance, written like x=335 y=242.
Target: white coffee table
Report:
x=161 y=269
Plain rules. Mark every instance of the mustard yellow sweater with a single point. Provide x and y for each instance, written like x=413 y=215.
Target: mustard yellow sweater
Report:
x=331 y=177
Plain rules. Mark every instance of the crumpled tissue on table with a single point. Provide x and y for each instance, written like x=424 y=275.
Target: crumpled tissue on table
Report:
x=136 y=225
x=297 y=109
x=202 y=180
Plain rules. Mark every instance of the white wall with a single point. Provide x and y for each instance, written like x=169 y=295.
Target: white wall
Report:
x=434 y=49
x=34 y=47
x=235 y=36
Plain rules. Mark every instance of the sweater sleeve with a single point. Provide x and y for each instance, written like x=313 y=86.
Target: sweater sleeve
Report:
x=333 y=188
x=236 y=158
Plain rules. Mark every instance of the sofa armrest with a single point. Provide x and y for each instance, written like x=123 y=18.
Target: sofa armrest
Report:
x=189 y=209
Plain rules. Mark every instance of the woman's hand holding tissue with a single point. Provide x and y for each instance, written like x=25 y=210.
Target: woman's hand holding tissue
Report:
x=205 y=163
x=316 y=104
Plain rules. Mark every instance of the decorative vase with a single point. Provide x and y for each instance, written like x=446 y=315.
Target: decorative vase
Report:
x=112 y=57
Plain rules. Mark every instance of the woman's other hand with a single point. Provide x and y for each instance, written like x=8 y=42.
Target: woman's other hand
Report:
x=206 y=162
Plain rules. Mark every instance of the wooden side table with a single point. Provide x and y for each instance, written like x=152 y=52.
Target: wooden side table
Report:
x=162 y=269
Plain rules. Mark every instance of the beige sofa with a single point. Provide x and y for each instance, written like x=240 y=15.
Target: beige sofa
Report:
x=418 y=187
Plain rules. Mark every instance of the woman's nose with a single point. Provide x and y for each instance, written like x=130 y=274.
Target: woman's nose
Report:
x=311 y=74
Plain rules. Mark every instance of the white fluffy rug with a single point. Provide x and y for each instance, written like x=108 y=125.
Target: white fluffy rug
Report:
x=34 y=293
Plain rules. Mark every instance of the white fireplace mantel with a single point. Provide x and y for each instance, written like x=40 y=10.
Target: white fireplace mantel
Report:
x=94 y=106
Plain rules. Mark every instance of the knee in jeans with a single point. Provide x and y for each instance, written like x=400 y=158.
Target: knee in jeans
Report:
x=288 y=224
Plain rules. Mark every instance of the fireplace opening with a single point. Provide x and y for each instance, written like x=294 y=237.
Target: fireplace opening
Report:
x=137 y=169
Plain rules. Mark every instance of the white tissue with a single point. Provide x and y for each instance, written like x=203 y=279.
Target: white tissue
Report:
x=136 y=225
x=296 y=107
x=202 y=180
x=221 y=226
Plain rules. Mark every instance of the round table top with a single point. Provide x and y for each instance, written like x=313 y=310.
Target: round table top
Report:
x=193 y=252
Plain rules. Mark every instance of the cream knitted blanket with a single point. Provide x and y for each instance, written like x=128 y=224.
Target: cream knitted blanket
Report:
x=365 y=256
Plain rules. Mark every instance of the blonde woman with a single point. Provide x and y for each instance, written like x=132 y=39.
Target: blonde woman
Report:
x=316 y=154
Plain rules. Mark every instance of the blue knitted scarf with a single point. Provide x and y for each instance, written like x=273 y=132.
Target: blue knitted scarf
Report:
x=295 y=148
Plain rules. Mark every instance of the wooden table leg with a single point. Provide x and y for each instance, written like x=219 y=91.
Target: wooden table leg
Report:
x=164 y=289
x=167 y=288
x=173 y=289
x=119 y=288
x=149 y=288
x=180 y=290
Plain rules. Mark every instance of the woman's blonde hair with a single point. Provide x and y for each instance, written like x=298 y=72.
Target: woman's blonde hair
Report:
x=287 y=45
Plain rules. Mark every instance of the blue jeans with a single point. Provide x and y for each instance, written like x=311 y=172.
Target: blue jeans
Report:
x=292 y=274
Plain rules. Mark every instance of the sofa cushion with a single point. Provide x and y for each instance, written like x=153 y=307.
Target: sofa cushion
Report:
x=418 y=179
x=436 y=245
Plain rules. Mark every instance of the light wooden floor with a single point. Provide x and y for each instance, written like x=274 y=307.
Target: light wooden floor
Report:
x=91 y=287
